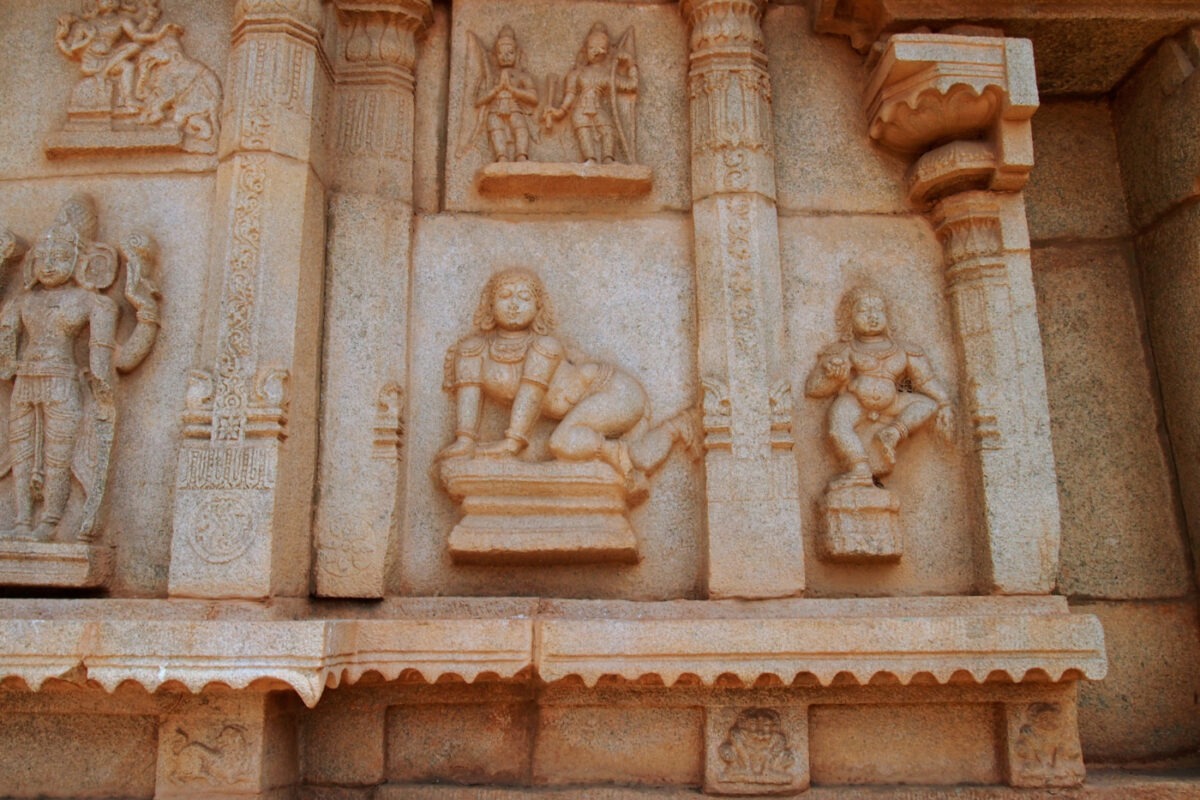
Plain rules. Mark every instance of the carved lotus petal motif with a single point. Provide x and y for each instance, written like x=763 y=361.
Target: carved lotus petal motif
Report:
x=934 y=117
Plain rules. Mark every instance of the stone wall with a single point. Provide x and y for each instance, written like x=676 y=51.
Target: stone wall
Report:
x=366 y=440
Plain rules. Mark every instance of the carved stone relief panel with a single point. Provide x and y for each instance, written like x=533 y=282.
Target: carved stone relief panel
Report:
x=603 y=447
x=139 y=89
x=1043 y=745
x=756 y=751
x=60 y=324
x=565 y=110
x=512 y=109
x=883 y=392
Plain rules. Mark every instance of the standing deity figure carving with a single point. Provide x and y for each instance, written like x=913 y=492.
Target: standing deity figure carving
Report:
x=62 y=413
x=876 y=380
x=883 y=391
x=136 y=77
x=603 y=446
x=504 y=97
x=756 y=750
x=600 y=94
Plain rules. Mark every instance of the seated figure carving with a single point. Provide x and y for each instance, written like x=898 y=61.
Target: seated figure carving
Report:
x=515 y=358
x=875 y=379
x=603 y=446
x=756 y=750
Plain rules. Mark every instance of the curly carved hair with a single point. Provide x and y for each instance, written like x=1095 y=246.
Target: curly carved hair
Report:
x=485 y=319
x=845 y=310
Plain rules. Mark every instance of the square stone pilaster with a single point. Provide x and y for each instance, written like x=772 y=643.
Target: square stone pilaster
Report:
x=244 y=483
x=366 y=325
x=755 y=543
x=961 y=105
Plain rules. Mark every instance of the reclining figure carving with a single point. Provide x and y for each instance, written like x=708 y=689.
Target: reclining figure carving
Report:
x=515 y=358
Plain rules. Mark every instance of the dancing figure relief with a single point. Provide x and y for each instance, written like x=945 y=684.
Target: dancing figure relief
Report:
x=883 y=390
x=63 y=411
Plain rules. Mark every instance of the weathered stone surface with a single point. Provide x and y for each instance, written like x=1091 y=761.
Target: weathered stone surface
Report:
x=1062 y=200
x=97 y=756
x=1121 y=534
x=596 y=744
x=1169 y=260
x=1152 y=111
x=1146 y=709
x=914 y=747
x=344 y=742
x=824 y=160
x=461 y=742
x=1100 y=786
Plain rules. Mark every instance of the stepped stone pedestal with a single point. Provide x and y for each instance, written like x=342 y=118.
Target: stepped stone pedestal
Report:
x=557 y=512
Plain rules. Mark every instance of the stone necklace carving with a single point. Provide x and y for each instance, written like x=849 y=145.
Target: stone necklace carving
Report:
x=510 y=349
x=870 y=362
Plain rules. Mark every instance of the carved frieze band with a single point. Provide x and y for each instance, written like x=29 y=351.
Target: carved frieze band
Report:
x=228 y=468
x=236 y=343
x=279 y=13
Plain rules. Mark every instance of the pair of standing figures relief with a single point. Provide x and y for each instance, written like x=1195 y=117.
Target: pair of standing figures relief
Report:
x=599 y=95
x=883 y=392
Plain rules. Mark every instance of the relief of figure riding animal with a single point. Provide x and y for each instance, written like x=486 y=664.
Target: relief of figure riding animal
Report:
x=139 y=89
x=602 y=434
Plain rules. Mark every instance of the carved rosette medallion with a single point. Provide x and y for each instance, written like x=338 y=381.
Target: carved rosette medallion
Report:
x=224 y=529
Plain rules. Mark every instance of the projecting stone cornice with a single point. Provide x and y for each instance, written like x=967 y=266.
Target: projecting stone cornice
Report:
x=1083 y=47
x=194 y=645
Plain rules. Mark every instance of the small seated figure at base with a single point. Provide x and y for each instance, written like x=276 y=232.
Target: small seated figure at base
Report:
x=875 y=379
x=515 y=358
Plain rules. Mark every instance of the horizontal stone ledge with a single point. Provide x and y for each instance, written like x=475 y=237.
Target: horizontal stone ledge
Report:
x=311 y=645
x=1100 y=785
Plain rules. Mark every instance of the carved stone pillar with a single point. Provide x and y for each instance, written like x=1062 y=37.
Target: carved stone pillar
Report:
x=755 y=545
x=979 y=93
x=244 y=483
x=228 y=745
x=365 y=347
